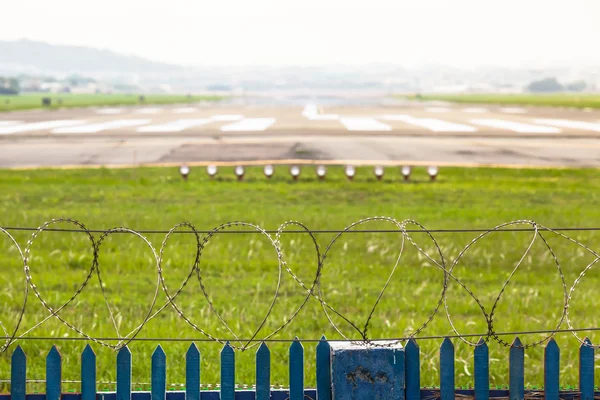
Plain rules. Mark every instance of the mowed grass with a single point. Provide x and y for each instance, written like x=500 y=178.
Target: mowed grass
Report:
x=240 y=271
x=67 y=100
x=552 y=100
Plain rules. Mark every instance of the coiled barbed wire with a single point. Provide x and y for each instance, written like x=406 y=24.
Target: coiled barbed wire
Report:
x=313 y=290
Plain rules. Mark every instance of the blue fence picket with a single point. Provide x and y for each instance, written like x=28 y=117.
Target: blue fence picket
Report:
x=586 y=370
x=227 y=373
x=18 y=374
x=53 y=374
x=447 y=370
x=516 y=370
x=124 y=374
x=482 y=371
x=323 y=369
x=413 y=370
x=296 y=370
x=551 y=370
x=192 y=373
x=263 y=373
x=88 y=374
x=159 y=374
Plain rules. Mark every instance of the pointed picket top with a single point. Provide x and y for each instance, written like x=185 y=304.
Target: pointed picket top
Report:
x=447 y=380
x=482 y=371
x=263 y=372
x=296 y=370
x=323 y=369
x=192 y=373
x=447 y=345
x=18 y=374
x=551 y=370
x=586 y=370
x=159 y=374
x=53 y=374
x=18 y=354
x=124 y=374
x=516 y=370
x=516 y=343
x=227 y=372
x=88 y=374
x=192 y=351
x=413 y=370
x=88 y=351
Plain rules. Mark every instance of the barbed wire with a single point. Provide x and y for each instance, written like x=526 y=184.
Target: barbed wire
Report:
x=313 y=289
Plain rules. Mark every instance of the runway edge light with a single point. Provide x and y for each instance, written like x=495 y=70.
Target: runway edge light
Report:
x=433 y=172
x=321 y=172
x=268 y=170
x=184 y=170
x=211 y=170
x=295 y=172
x=239 y=172
x=406 y=170
x=350 y=171
x=378 y=171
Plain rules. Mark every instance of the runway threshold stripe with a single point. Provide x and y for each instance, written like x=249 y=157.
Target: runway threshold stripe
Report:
x=9 y=123
x=38 y=126
x=109 y=111
x=518 y=127
x=95 y=128
x=148 y=110
x=175 y=126
x=311 y=112
x=513 y=110
x=565 y=123
x=227 y=117
x=249 y=125
x=475 y=110
x=185 y=110
x=437 y=109
x=364 y=124
x=432 y=124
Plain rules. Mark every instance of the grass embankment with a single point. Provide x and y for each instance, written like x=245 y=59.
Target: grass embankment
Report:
x=63 y=100
x=240 y=271
x=552 y=100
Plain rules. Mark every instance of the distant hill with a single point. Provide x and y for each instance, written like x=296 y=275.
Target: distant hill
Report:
x=27 y=56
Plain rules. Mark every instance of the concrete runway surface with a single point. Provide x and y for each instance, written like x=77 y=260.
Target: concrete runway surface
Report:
x=385 y=131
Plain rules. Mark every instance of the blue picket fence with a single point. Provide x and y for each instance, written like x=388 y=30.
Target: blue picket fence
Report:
x=410 y=369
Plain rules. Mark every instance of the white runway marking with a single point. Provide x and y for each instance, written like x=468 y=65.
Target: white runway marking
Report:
x=38 y=126
x=227 y=117
x=249 y=125
x=434 y=125
x=95 y=128
x=565 y=123
x=148 y=110
x=312 y=113
x=185 y=110
x=109 y=111
x=174 y=126
x=475 y=110
x=513 y=110
x=514 y=126
x=437 y=109
x=8 y=123
x=364 y=124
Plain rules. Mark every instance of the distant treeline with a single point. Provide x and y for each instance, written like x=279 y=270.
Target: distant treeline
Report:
x=549 y=85
x=9 y=85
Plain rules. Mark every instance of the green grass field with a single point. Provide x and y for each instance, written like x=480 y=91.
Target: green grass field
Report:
x=240 y=271
x=552 y=100
x=63 y=100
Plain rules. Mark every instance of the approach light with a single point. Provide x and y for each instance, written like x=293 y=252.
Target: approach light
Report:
x=378 y=171
x=321 y=172
x=268 y=170
x=433 y=172
x=239 y=172
x=350 y=172
x=184 y=170
x=295 y=172
x=211 y=170
x=406 y=170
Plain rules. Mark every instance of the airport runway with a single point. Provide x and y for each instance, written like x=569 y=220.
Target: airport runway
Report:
x=386 y=131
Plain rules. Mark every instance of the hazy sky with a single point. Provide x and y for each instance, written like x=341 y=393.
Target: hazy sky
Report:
x=461 y=33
